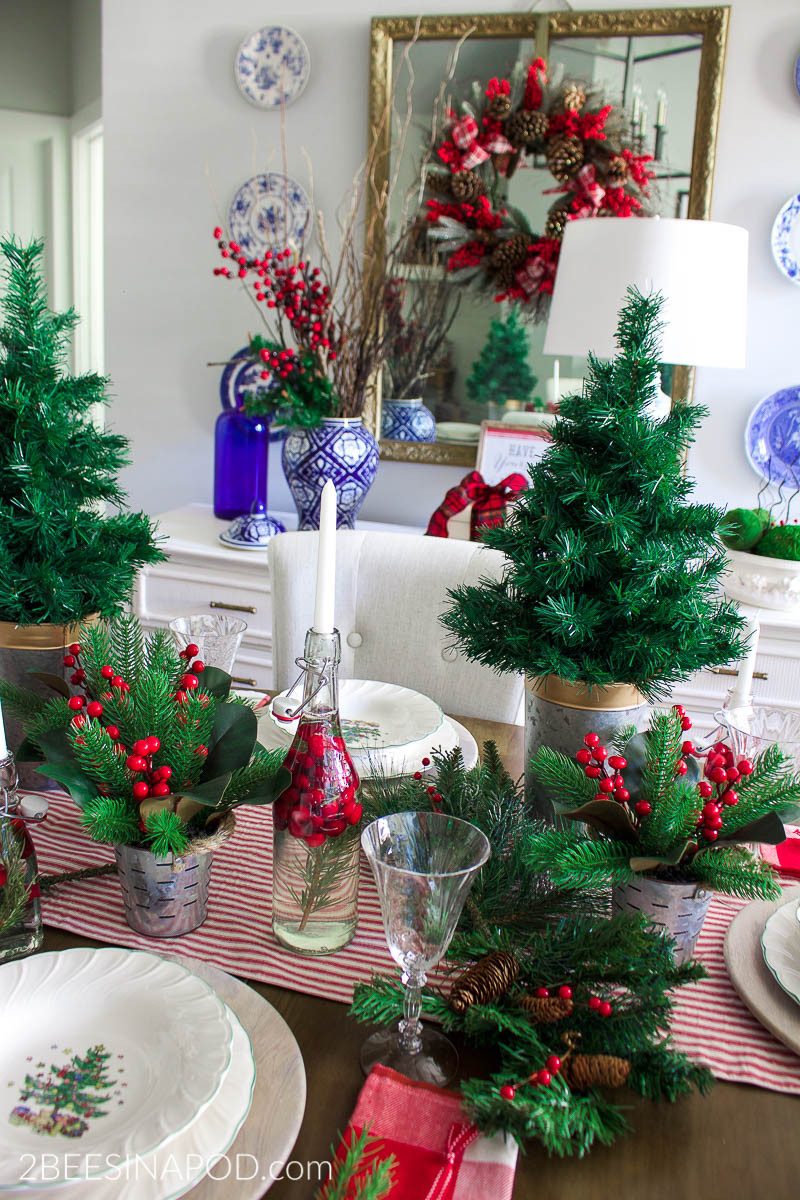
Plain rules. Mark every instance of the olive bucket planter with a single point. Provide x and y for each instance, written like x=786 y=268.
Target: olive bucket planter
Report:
x=26 y=654
x=678 y=909
x=559 y=714
x=166 y=897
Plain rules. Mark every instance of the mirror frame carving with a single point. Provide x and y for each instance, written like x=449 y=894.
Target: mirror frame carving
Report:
x=711 y=23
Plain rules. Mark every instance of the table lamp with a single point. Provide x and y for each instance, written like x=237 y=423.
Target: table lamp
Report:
x=700 y=268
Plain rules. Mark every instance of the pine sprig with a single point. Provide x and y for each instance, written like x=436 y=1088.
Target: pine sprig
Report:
x=23 y=705
x=14 y=894
x=574 y=861
x=111 y=819
x=566 y=785
x=360 y=1173
x=166 y=833
x=734 y=871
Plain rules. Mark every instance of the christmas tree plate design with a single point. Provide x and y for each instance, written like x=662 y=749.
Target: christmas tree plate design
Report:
x=272 y=66
x=780 y=945
x=269 y=211
x=772 y=437
x=114 y=1051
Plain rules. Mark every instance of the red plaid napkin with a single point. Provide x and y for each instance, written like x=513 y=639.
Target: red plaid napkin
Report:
x=786 y=856
x=439 y=1154
x=488 y=503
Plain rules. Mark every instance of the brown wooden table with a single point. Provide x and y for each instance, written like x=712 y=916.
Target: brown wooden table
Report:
x=738 y=1143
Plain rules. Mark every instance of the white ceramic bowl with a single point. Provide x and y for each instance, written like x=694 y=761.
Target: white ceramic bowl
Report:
x=763 y=582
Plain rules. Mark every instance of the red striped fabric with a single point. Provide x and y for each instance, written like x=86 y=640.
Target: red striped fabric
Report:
x=711 y=1024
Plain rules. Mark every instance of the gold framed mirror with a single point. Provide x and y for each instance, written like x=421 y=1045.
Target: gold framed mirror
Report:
x=640 y=59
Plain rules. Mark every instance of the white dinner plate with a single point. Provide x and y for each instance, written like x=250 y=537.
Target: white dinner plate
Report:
x=378 y=716
x=113 y=1052
x=174 y=1168
x=780 y=945
x=457 y=431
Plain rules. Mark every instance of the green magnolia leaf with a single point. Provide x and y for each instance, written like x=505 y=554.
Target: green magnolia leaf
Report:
x=232 y=739
x=768 y=828
x=209 y=792
x=267 y=790
x=607 y=816
x=52 y=681
x=215 y=683
x=55 y=745
x=641 y=863
x=74 y=779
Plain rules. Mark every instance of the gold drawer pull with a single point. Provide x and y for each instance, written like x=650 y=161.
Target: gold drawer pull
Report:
x=244 y=682
x=733 y=671
x=233 y=607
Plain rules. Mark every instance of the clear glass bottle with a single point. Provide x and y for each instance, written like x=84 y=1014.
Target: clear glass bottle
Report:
x=20 y=912
x=316 y=820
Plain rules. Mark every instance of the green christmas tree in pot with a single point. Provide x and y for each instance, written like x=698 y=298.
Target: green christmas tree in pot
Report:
x=501 y=372
x=64 y=559
x=611 y=591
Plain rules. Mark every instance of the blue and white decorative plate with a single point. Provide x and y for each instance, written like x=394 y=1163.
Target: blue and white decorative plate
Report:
x=772 y=437
x=269 y=211
x=241 y=375
x=272 y=64
x=785 y=239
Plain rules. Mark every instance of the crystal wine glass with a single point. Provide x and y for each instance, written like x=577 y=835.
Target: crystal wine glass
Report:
x=218 y=638
x=424 y=865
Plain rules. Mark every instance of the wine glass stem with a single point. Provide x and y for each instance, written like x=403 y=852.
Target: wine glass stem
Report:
x=411 y=1026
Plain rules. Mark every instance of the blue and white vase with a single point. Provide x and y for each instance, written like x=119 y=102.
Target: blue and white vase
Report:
x=340 y=449
x=407 y=421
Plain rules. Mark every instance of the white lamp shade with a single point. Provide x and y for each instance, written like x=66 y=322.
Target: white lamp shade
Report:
x=700 y=267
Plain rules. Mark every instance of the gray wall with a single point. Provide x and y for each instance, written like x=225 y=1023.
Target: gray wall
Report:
x=49 y=55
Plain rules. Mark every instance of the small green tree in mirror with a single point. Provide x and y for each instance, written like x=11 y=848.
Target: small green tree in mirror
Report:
x=501 y=372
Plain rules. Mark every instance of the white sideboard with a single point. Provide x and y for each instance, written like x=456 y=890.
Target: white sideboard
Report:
x=202 y=575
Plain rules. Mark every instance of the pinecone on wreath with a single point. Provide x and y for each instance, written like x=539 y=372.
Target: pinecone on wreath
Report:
x=564 y=157
x=556 y=221
x=526 y=129
x=498 y=107
x=465 y=186
x=438 y=182
x=573 y=98
x=509 y=255
x=616 y=170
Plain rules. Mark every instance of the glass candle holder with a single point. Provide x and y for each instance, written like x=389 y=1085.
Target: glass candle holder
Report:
x=315 y=821
x=20 y=913
x=217 y=638
x=424 y=865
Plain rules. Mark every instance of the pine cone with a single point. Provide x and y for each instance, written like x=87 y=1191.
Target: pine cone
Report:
x=465 y=186
x=564 y=157
x=525 y=129
x=582 y=1071
x=507 y=257
x=438 y=182
x=573 y=98
x=556 y=221
x=616 y=171
x=487 y=979
x=498 y=107
x=545 y=1010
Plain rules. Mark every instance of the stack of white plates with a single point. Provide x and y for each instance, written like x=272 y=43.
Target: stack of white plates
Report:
x=122 y=1070
x=388 y=729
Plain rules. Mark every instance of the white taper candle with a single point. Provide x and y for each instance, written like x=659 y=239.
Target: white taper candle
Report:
x=741 y=693
x=3 y=743
x=556 y=380
x=326 y=561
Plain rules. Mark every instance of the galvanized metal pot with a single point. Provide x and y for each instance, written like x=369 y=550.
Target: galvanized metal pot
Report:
x=559 y=714
x=678 y=908
x=33 y=648
x=163 y=897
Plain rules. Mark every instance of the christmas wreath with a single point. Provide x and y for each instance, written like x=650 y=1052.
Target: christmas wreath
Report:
x=491 y=244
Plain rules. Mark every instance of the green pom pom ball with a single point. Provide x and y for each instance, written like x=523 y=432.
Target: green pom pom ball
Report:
x=781 y=542
x=741 y=528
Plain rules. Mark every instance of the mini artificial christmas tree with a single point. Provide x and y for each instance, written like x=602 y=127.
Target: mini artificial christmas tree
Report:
x=501 y=371
x=613 y=576
x=62 y=556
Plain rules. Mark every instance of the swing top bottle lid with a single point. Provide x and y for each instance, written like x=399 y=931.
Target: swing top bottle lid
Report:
x=326 y=561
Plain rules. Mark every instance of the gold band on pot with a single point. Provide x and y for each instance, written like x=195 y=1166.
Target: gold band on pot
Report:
x=42 y=637
x=612 y=697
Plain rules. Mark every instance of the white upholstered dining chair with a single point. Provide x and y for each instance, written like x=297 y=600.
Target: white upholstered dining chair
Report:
x=390 y=591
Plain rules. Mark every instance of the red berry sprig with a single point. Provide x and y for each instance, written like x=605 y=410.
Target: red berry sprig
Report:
x=717 y=790
x=606 y=768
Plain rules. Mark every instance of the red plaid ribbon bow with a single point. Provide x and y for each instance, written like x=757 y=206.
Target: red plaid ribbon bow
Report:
x=488 y=503
x=475 y=151
x=588 y=192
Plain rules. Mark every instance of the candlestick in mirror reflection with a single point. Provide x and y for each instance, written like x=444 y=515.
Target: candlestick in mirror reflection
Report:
x=3 y=742
x=326 y=561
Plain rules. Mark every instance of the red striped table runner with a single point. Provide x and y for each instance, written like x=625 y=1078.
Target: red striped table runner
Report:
x=711 y=1023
